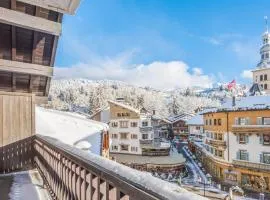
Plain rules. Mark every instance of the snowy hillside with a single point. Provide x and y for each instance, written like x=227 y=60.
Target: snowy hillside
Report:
x=87 y=96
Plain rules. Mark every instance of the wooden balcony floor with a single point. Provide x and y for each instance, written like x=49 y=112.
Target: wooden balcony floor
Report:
x=22 y=185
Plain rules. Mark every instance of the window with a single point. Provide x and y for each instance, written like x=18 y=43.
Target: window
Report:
x=242 y=155
x=124 y=136
x=134 y=136
x=219 y=122
x=115 y=148
x=220 y=136
x=265 y=158
x=263 y=120
x=265 y=86
x=133 y=124
x=125 y=114
x=220 y=154
x=206 y=122
x=123 y=124
x=114 y=136
x=119 y=115
x=210 y=122
x=265 y=139
x=215 y=136
x=198 y=128
x=242 y=121
x=262 y=56
x=124 y=147
x=261 y=77
x=144 y=123
x=267 y=55
x=215 y=122
x=242 y=139
x=265 y=77
x=134 y=149
x=144 y=136
x=114 y=124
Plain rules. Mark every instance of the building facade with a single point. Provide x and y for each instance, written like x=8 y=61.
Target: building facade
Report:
x=195 y=128
x=236 y=148
x=261 y=74
x=131 y=131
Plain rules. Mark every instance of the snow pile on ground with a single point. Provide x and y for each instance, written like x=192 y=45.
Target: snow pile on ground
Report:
x=70 y=128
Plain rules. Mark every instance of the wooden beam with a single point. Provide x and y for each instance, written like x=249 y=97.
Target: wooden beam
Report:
x=55 y=43
x=14 y=48
x=31 y=84
x=47 y=89
x=26 y=68
x=23 y=20
x=62 y=6
x=13 y=82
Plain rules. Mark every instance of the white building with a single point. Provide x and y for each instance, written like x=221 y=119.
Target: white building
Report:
x=261 y=74
x=130 y=129
x=195 y=128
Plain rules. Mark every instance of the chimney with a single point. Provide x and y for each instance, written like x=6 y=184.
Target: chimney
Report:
x=154 y=112
x=233 y=101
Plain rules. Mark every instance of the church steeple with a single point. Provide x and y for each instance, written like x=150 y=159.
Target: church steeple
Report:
x=265 y=49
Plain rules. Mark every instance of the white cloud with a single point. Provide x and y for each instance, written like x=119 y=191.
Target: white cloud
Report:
x=160 y=75
x=247 y=74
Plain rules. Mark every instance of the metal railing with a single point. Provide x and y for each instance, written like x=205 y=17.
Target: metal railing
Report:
x=251 y=165
x=146 y=129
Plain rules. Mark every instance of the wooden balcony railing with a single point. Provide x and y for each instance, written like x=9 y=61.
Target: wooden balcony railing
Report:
x=146 y=141
x=251 y=165
x=71 y=173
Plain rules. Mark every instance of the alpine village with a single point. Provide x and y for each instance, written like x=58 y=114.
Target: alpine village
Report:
x=122 y=147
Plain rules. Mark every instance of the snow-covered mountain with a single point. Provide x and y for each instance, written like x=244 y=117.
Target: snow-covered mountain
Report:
x=88 y=96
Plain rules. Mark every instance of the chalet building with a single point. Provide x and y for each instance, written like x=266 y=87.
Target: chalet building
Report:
x=101 y=115
x=261 y=75
x=195 y=128
x=179 y=125
x=236 y=149
x=131 y=131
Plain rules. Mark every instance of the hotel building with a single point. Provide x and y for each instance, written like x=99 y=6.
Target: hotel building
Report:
x=236 y=149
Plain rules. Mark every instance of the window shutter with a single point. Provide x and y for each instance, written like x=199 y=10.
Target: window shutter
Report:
x=261 y=139
x=247 y=121
x=261 y=158
x=247 y=139
x=237 y=138
x=238 y=155
x=259 y=120
x=236 y=122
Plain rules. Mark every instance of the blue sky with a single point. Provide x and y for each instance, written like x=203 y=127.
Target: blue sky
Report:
x=204 y=41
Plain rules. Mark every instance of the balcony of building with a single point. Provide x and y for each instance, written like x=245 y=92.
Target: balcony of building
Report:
x=251 y=165
x=217 y=143
x=251 y=129
x=146 y=142
x=71 y=173
x=146 y=129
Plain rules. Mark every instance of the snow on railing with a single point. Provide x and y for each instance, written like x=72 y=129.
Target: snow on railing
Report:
x=75 y=174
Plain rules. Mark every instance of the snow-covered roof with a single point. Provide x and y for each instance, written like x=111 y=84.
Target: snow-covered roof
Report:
x=99 y=110
x=70 y=128
x=124 y=106
x=183 y=117
x=196 y=120
x=245 y=103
